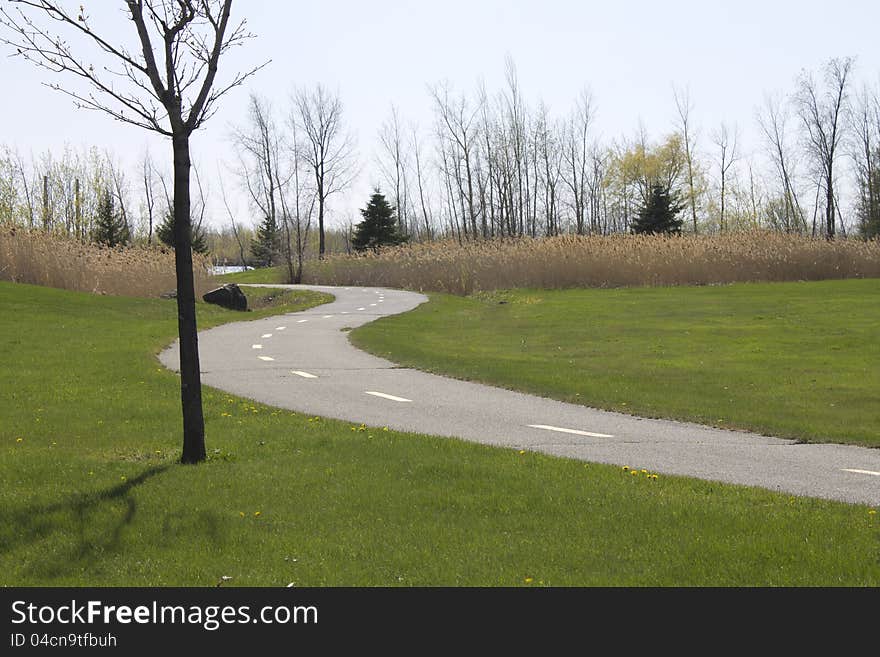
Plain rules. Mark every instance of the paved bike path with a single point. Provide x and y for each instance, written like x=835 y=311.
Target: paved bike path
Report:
x=304 y=362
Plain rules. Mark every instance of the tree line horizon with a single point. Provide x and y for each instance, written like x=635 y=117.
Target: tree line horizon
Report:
x=496 y=167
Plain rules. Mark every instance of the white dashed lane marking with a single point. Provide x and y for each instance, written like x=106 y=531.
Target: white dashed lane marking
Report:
x=256 y=346
x=864 y=472
x=327 y=316
x=577 y=432
x=302 y=321
x=361 y=308
x=304 y=375
x=265 y=358
x=266 y=335
x=280 y=328
x=386 y=396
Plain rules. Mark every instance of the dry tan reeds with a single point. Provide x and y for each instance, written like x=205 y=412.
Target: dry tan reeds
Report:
x=57 y=261
x=603 y=261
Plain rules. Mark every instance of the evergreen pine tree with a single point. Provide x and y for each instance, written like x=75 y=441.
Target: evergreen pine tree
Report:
x=165 y=233
x=660 y=214
x=266 y=245
x=379 y=227
x=110 y=228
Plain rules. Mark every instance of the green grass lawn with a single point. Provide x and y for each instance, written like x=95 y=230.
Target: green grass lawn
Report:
x=259 y=275
x=92 y=494
x=798 y=360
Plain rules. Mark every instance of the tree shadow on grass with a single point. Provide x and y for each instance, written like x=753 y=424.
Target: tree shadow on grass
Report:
x=73 y=534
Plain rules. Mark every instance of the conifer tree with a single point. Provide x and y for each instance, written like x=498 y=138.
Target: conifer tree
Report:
x=660 y=214
x=110 y=227
x=379 y=227
x=165 y=233
x=266 y=245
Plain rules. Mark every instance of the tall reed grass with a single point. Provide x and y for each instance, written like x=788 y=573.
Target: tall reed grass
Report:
x=52 y=260
x=602 y=261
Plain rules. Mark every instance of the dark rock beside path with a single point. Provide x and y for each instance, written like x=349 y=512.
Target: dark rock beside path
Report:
x=229 y=296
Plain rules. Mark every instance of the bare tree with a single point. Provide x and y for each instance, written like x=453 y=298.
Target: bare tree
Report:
x=395 y=168
x=727 y=156
x=149 y=204
x=298 y=220
x=550 y=158
x=168 y=87
x=866 y=158
x=684 y=106
x=328 y=149
x=457 y=130
x=416 y=147
x=576 y=156
x=260 y=161
x=822 y=113
x=117 y=180
x=773 y=120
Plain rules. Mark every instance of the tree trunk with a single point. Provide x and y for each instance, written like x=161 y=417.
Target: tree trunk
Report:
x=829 y=206
x=190 y=376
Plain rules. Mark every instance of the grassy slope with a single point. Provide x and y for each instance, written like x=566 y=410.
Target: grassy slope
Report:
x=261 y=275
x=92 y=495
x=792 y=359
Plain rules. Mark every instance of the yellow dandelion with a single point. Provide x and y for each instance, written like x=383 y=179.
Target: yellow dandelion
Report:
x=872 y=512
x=18 y=440
x=634 y=473
x=257 y=514
x=528 y=580
x=384 y=428
x=122 y=477
x=644 y=471
x=241 y=514
x=626 y=467
x=521 y=452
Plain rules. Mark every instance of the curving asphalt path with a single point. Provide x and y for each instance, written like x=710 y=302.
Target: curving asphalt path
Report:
x=304 y=362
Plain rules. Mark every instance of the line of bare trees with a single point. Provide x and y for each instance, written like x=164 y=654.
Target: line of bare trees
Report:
x=494 y=166
x=290 y=167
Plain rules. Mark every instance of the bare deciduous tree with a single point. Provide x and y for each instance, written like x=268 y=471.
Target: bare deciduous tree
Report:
x=328 y=149
x=576 y=156
x=395 y=168
x=167 y=86
x=822 y=113
x=149 y=200
x=727 y=157
x=866 y=158
x=457 y=130
x=773 y=120
x=684 y=106
x=258 y=144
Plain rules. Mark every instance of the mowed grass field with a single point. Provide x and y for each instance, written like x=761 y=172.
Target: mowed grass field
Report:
x=797 y=360
x=92 y=494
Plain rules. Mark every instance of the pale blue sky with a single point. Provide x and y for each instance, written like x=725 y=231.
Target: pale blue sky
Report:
x=629 y=53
